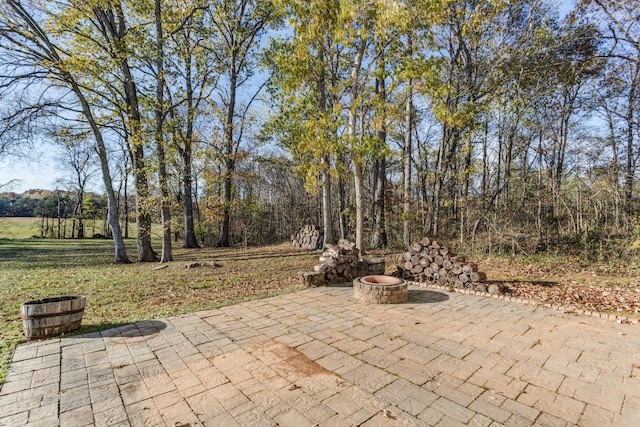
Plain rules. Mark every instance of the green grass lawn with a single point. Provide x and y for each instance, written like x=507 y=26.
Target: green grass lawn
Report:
x=119 y=294
x=19 y=228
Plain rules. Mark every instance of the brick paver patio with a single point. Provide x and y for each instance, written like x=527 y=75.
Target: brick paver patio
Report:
x=320 y=358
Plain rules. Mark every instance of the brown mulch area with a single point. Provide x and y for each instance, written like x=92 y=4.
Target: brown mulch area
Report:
x=591 y=297
x=572 y=284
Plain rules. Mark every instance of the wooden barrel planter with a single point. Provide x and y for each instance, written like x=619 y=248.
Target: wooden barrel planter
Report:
x=50 y=317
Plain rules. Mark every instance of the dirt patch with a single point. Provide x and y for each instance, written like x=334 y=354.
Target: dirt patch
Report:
x=288 y=361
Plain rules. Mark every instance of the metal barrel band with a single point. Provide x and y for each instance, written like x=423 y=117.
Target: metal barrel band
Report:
x=44 y=316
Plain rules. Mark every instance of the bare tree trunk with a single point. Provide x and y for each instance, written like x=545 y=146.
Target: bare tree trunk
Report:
x=126 y=204
x=342 y=219
x=59 y=212
x=327 y=219
x=540 y=217
x=142 y=196
x=167 y=254
x=406 y=160
x=464 y=216
x=326 y=203
x=80 y=213
x=631 y=160
x=224 y=241
x=112 y=213
x=485 y=167
x=356 y=160
x=229 y=158
x=406 y=157
x=379 y=236
x=357 y=182
x=326 y=207
x=190 y=238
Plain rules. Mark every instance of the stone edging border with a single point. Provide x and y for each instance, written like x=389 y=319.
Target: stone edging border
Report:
x=612 y=317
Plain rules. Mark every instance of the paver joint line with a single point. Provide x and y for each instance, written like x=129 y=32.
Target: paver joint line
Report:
x=319 y=357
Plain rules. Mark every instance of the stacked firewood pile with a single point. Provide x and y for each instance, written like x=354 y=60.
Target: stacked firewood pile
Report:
x=308 y=238
x=430 y=261
x=342 y=262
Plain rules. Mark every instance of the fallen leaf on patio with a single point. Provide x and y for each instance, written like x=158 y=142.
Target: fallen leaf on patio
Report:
x=387 y=414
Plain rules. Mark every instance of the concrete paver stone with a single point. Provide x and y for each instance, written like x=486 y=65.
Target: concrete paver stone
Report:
x=319 y=357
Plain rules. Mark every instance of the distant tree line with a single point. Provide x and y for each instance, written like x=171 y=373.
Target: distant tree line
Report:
x=58 y=212
x=501 y=125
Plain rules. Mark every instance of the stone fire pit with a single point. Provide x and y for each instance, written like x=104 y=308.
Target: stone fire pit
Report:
x=379 y=289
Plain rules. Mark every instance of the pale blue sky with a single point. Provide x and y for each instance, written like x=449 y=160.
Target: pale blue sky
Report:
x=29 y=174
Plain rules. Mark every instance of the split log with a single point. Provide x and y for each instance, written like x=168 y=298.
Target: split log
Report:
x=478 y=276
x=322 y=268
x=331 y=250
x=308 y=238
x=480 y=287
x=312 y=279
x=496 y=288
x=469 y=268
x=429 y=259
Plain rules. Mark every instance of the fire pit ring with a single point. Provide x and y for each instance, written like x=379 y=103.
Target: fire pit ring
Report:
x=380 y=289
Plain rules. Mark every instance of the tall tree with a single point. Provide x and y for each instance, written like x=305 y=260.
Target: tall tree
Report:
x=77 y=153
x=621 y=33
x=379 y=232
x=358 y=23
x=307 y=95
x=111 y=25
x=406 y=162
x=240 y=24
x=458 y=91
x=160 y=113
x=195 y=76
x=36 y=58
